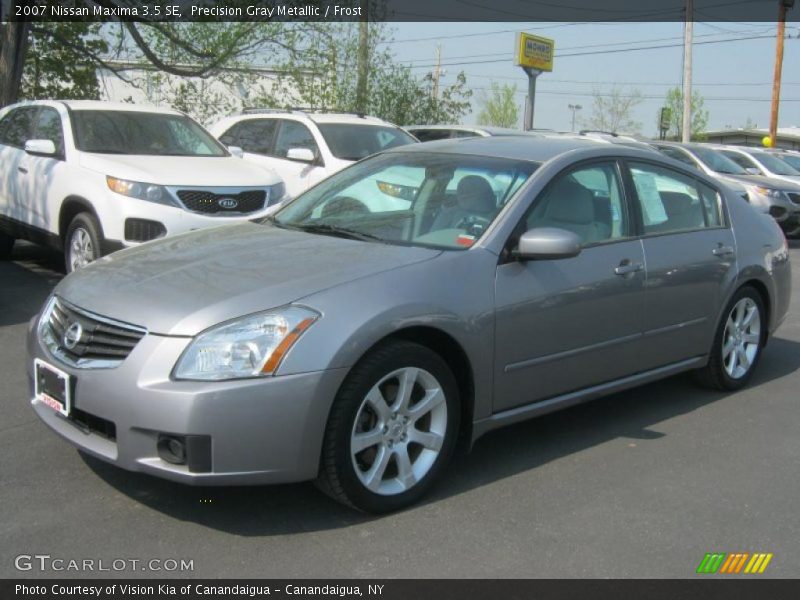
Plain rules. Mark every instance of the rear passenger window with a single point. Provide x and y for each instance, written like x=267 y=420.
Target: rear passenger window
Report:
x=671 y=201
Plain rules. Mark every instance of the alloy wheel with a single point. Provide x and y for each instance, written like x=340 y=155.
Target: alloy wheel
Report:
x=399 y=431
x=81 y=249
x=742 y=338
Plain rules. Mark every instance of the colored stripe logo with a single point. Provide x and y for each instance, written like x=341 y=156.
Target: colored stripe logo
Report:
x=734 y=563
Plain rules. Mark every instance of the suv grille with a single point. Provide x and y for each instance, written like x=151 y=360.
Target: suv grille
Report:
x=794 y=197
x=205 y=202
x=85 y=340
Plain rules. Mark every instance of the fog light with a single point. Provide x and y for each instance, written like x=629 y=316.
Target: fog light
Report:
x=172 y=449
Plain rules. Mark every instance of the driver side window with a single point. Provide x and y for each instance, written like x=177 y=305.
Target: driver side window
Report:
x=587 y=201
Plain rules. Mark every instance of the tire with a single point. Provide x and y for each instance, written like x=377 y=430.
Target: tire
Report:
x=6 y=246
x=733 y=342
x=82 y=244
x=422 y=431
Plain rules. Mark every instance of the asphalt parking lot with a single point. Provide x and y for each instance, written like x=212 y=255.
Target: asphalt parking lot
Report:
x=639 y=484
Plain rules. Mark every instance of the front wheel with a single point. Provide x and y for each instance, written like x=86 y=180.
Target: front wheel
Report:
x=82 y=242
x=392 y=428
x=737 y=343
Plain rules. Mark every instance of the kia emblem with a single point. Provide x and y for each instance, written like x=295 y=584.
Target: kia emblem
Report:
x=228 y=203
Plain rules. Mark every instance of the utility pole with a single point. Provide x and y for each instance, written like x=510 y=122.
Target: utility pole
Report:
x=363 y=59
x=783 y=5
x=688 y=26
x=574 y=108
x=437 y=72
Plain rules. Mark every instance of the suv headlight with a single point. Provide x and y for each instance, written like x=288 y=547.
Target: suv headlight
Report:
x=252 y=346
x=142 y=191
x=770 y=193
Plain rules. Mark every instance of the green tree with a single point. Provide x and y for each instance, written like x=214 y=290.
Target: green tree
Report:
x=322 y=77
x=499 y=108
x=613 y=111
x=56 y=70
x=699 y=114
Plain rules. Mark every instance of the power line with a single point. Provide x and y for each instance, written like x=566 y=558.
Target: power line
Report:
x=603 y=45
x=615 y=51
x=642 y=96
x=520 y=79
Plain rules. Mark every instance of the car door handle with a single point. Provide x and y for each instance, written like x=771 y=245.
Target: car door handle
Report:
x=722 y=250
x=626 y=267
x=22 y=169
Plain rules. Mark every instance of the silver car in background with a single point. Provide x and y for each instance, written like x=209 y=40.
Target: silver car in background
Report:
x=778 y=197
x=353 y=344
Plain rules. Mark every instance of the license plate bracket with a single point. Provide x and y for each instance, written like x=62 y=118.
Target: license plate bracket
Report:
x=52 y=386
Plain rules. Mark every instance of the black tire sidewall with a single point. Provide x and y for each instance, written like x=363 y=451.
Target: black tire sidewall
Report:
x=88 y=223
x=349 y=400
x=717 y=362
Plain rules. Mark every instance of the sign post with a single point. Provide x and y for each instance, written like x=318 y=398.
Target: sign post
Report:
x=535 y=55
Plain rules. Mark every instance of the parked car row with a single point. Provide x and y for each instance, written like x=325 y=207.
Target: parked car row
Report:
x=774 y=188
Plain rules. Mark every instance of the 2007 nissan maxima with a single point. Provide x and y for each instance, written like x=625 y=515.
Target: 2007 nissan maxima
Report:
x=353 y=343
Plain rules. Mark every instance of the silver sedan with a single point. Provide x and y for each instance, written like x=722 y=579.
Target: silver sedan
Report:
x=419 y=298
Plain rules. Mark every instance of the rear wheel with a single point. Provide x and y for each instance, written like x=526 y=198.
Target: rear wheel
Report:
x=82 y=242
x=738 y=342
x=392 y=429
x=6 y=246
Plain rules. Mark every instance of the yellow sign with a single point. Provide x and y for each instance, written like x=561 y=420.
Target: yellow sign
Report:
x=535 y=52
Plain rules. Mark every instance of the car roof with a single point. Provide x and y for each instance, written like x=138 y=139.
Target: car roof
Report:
x=475 y=128
x=117 y=106
x=312 y=115
x=519 y=147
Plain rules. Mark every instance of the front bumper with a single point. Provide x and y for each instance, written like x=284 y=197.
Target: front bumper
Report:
x=261 y=430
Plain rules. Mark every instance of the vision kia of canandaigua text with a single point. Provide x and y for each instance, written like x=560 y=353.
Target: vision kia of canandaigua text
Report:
x=354 y=342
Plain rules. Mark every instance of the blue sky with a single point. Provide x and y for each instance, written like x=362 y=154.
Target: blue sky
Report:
x=729 y=75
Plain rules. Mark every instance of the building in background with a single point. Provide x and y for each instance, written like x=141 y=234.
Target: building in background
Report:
x=788 y=137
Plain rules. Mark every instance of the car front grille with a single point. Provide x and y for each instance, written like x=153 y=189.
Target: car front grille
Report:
x=211 y=203
x=794 y=197
x=86 y=340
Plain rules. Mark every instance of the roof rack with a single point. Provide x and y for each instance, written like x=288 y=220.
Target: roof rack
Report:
x=585 y=131
x=300 y=109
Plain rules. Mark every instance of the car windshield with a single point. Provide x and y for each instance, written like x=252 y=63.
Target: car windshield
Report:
x=410 y=198
x=793 y=160
x=718 y=162
x=354 y=142
x=132 y=132
x=776 y=165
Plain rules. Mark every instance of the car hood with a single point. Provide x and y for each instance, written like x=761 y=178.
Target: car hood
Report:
x=212 y=171
x=762 y=181
x=184 y=284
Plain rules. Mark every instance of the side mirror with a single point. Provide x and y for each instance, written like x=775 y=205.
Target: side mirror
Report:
x=301 y=155
x=550 y=243
x=236 y=151
x=752 y=171
x=40 y=147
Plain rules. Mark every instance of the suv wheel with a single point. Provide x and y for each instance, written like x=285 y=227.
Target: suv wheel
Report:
x=737 y=343
x=82 y=242
x=6 y=246
x=392 y=428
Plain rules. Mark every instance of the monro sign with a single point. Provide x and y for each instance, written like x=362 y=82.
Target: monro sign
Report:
x=534 y=52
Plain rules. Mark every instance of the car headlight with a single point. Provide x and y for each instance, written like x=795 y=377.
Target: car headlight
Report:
x=768 y=192
x=275 y=193
x=253 y=346
x=142 y=191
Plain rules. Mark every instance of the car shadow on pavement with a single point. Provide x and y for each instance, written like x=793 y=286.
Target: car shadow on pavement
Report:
x=27 y=281
x=287 y=509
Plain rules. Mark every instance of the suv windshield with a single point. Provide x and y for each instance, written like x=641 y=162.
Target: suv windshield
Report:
x=129 y=132
x=354 y=142
x=418 y=199
x=717 y=161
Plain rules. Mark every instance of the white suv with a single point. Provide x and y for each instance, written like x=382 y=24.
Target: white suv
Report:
x=304 y=147
x=93 y=177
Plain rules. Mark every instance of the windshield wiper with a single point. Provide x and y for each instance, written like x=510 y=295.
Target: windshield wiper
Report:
x=335 y=230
